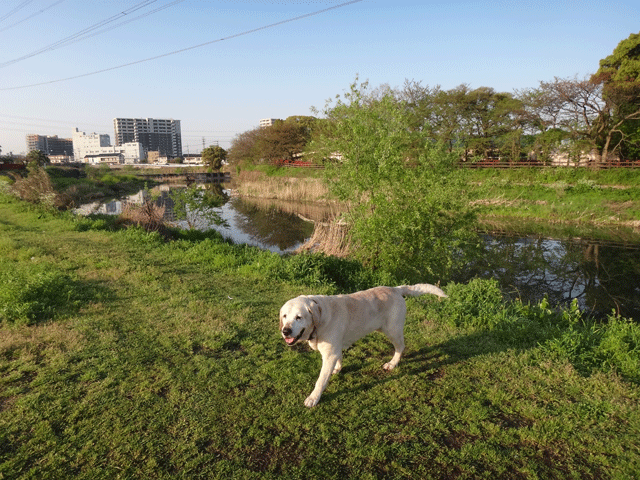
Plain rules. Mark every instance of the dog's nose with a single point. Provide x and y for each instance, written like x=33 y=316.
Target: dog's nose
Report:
x=286 y=331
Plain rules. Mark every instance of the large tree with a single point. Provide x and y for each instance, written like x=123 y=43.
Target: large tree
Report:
x=619 y=75
x=564 y=109
x=245 y=147
x=284 y=139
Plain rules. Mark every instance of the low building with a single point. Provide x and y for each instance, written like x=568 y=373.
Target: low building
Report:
x=92 y=144
x=104 y=158
x=267 y=122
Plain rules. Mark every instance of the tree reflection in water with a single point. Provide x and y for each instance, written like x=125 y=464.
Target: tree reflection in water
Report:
x=603 y=278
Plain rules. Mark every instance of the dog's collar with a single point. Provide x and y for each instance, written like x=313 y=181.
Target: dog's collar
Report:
x=313 y=333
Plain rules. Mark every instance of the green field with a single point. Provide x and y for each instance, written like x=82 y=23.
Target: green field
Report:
x=126 y=356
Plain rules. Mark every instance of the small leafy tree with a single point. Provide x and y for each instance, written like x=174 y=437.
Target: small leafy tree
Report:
x=214 y=156
x=408 y=212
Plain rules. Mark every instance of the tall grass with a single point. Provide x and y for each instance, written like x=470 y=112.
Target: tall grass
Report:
x=301 y=189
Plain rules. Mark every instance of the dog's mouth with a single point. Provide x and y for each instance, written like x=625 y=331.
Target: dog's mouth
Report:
x=293 y=340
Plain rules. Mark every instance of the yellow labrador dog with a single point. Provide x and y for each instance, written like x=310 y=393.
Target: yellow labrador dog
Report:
x=333 y=323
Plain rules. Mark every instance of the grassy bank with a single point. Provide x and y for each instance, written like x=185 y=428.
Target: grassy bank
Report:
x=583 y=197
x=565 y=201
x=125 y=356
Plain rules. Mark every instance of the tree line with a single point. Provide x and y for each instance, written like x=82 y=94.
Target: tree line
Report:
x=597 y=115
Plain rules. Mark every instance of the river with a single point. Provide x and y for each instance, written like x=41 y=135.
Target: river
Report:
x=602 y=276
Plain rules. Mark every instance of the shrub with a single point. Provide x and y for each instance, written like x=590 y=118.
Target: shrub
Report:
x=477 y=304
x=316 y=269
x=591 y=345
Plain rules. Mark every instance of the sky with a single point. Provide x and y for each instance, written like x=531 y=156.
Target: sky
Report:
x=219 y=66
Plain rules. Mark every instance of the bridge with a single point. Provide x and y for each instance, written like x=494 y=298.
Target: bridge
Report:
x=189 y=177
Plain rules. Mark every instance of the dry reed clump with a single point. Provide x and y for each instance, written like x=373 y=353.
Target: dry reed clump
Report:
x=257 y=184
x=37 y=188
x=331 y=238
x=148 y=216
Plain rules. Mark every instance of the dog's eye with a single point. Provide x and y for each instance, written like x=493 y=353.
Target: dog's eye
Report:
x=298 y=317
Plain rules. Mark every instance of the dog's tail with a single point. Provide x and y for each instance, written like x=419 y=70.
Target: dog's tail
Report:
x=420 y=289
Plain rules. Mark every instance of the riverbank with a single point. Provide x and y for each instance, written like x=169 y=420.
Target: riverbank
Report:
x=123 y=355
x=558 y=202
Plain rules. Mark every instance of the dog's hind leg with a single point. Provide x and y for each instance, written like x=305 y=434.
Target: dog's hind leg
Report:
x=398 y=345
x=394 y=330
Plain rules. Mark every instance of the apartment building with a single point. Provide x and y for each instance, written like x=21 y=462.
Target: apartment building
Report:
x=161 y=135
x=50 y=144
x=97 y=148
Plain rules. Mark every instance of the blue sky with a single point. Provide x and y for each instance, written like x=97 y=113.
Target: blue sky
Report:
x=226 y=87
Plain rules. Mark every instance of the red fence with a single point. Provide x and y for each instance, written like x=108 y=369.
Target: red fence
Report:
x=509 y=165
x=488 y=163
x=11 y=166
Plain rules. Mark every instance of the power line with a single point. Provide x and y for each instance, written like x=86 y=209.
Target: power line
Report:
x=15 y=10
x=247 y=32
x=81 y=34
x=31 y=16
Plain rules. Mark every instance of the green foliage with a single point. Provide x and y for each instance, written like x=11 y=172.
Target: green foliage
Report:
x=214 y=156
x=37 y=158
x=611 y=346
x=318 y=270
x=476 y=304
x=408 y=211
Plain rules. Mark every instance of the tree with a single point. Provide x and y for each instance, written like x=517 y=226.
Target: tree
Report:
x=245 y=147
x=284 y=139
x=569 y=105
x=407 y=211
x=483 y=122
x=619 y=76
x=38 y=158
x=214 y=156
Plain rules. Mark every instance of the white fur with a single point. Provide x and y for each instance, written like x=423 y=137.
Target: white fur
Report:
x=333 y=323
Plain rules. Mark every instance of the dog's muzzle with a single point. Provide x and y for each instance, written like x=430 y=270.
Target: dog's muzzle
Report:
x=286 y=332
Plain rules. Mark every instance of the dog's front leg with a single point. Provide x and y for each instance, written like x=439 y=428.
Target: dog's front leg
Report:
x=329 y=360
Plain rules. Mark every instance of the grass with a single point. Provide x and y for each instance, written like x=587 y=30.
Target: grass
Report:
x=163 y=360
x=560 y=196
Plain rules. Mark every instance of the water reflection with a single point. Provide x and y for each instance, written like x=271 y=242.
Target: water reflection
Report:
x=602 y=277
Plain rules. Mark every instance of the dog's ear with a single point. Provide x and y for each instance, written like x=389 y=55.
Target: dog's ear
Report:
x=315 y=310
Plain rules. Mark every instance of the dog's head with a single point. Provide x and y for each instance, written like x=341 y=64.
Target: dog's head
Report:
x=298 y=319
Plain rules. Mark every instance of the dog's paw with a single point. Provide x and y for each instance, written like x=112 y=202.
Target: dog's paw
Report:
x=388 y=366
x=311 y=401
x=337 y=368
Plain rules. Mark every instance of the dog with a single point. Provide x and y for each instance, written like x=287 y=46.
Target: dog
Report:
x=332 y=323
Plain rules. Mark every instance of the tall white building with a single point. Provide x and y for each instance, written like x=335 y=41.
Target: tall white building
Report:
x=97 y=148
x=155 y=135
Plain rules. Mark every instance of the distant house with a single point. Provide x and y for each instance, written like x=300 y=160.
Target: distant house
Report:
x=267 y=122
